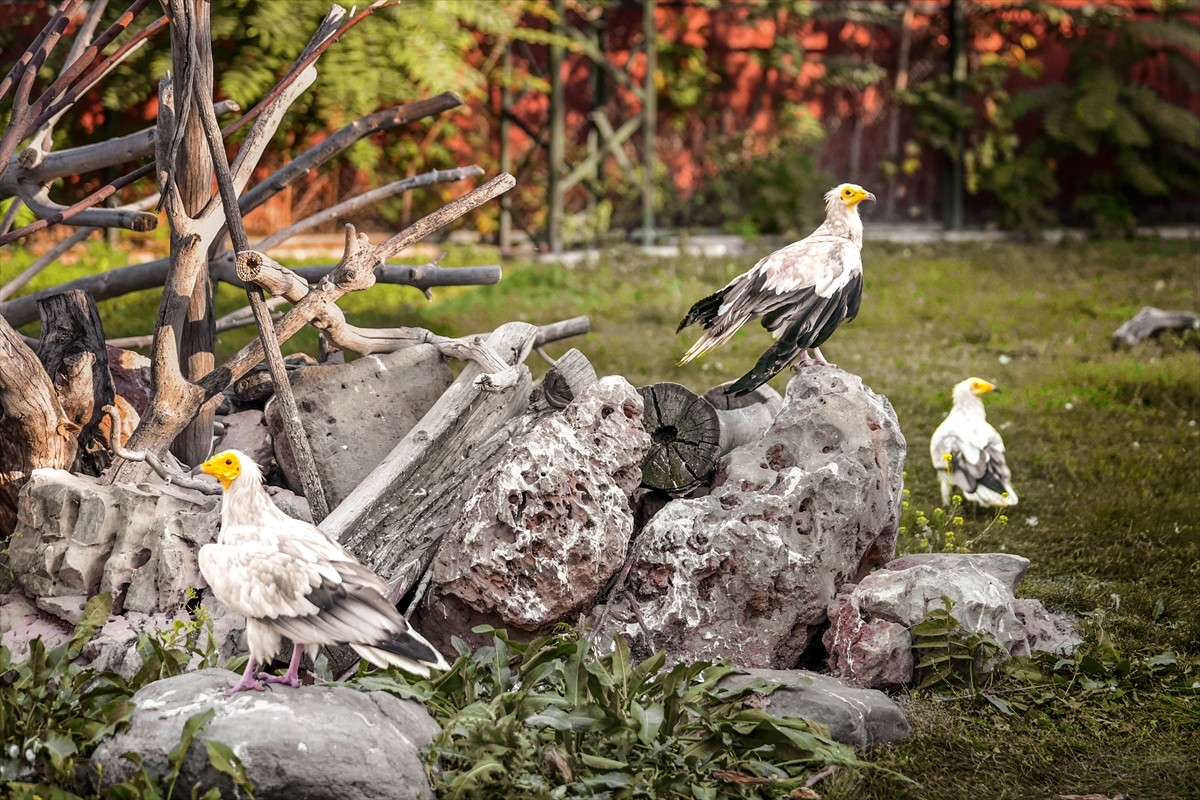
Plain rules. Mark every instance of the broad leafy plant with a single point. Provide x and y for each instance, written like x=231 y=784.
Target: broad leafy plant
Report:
x=54 y=712
x=558 y=718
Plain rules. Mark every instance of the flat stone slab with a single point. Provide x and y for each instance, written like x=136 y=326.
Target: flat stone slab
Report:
x=310 y=743
x=858 y=717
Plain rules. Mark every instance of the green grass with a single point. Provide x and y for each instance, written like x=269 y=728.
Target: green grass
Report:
x=1104 y=446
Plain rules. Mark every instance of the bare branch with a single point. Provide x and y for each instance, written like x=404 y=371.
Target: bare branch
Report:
x=47 y=258
x=40 y=203
x=93 y=199
x=235 y=319
x=368 y=199
x=331 y=146
x=174 y=476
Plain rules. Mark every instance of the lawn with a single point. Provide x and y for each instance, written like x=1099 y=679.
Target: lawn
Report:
x=1104 y=447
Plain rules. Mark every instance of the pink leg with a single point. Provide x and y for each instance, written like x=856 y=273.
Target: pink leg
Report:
x=247 y=681
x=292 y=676
x=804 y=361
x=820 y=359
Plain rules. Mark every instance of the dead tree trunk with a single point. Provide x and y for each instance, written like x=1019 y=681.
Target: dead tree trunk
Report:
x=35 y=430
x=191 y=171
x=74 y=355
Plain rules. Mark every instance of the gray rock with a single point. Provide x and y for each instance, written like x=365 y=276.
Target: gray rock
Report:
x=311 y=742
x=247 y=431
x=20 y=623
x=355 y=413
x=865 y=643
x=77 y=537
x=549 y=523
x=858 y=717
x=1046 y=631
x=747 y=572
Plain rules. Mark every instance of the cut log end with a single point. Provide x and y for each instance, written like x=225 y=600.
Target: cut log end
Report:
x=685 y=437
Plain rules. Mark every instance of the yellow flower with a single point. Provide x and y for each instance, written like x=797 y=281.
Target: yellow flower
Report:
x=958 y=520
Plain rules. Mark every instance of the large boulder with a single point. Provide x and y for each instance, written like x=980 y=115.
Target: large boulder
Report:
x=548 y=524
x=747 y=572
x=354 y=414
x=868 y=639
x=76 y=537
x=858 y=717
x=311 y=742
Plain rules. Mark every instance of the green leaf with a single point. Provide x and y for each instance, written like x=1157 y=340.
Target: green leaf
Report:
x=225 y=761
x=95 y=614
x=599 y=762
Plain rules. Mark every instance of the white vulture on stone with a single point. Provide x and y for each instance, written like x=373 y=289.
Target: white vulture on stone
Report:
x=287 y=578
x=968 y=453
x=802 y=292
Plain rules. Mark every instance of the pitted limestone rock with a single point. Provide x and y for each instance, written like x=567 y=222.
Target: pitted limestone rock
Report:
x=549 y=522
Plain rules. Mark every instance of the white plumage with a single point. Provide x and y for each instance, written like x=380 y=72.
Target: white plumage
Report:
x=968 y=453
x=802 y=292
x=289 y=579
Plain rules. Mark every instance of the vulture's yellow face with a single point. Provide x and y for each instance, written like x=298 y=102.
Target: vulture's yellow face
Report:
x=851 y=194
x=225 y=467
x=980 y=386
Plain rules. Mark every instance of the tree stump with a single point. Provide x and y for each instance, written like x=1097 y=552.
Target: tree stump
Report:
x=685 y=437
x=73 y=351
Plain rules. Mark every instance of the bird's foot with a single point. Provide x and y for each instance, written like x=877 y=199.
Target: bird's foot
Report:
x=247 y=683
x=289 y=678
x=820 y=359
x=805 y=360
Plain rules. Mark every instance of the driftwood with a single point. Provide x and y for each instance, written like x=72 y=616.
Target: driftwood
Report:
x=354 y=272
x=396 y=518
x=35 y=430
x=1152 y=321
x=74 y=354
x=567 y=378
x=744 y=418
x=685 y=437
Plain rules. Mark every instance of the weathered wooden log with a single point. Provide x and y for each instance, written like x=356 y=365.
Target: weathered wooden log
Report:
x=685 y=437
x=743 y=418
x=1151 y=321
x=73 y=352
x=569 y=375
x=396 y=518
x=34 y=428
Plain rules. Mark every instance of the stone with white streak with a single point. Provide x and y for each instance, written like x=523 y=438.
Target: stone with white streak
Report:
x=295 y=744
x=549 y=523
x=868 y=640
x=747 y=572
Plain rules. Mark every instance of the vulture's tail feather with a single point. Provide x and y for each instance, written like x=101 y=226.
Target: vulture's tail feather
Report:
x=704 y=311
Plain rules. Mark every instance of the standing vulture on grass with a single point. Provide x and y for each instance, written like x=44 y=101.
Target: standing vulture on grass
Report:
x=802 y=293
x=287 y=578
x=968 y=453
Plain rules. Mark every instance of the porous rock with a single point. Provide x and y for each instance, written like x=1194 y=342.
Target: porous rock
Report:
x=858 y=717
x=549 y=523
x=356 y=413
x=870 y=621
x=311 y=742
x=747 y=572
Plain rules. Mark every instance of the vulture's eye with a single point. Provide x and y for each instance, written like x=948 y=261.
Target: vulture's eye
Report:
x=846 y=192
x=229 y=462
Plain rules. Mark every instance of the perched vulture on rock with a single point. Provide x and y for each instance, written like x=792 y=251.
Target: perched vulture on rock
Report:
x=802 y=293
x=968 y=453
x=289 y=579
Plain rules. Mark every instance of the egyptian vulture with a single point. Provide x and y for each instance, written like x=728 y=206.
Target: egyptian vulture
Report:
x=287 y=578
x=802 y=293
x=968 y=453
